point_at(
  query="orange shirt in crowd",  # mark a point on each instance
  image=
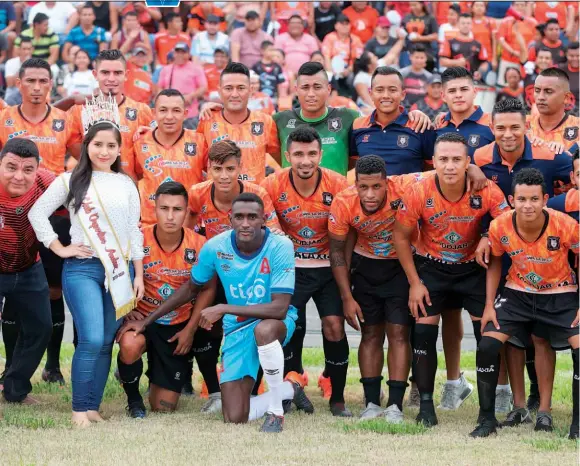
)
(139, 85)
(349, 49)
(483, 30)
(262, 103)
(283, 10)
(362, 23)
(197, 18)
(212, 74)
(165, 43)
(543, 12)
(527, 28)
(441, 10)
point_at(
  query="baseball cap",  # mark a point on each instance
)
(212, 19)
(435, 79)
(252, 15)
(181, 46)
(384, 22)
(342, 19)
(137, 50)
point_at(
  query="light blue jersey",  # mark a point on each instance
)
(247, 280)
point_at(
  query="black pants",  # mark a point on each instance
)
(27, 293)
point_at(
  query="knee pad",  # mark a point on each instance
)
(489, 346)
(425, 333)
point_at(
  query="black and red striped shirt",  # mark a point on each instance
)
(18, 243)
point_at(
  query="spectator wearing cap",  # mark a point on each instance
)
(213, 72)
(204, 43)
(44, 41)
(240, 9)
(363, 20)
(81, 80)
(247, 41)
(550, 41)
(385, 47)
(449, 29)
(165, 41)
(199, 14)
(341, 49)
(185, 76)
(415, 76)
(131, 36)
(432, 104)
(296, 43)
(325, 15)
(86, 35)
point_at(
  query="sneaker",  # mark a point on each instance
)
(544, 422)
(53, 376)
(574, 434)
(300, 399)
(533, 403)
(381, 398)
(414, 400)
(187, 389)
(393, 415)
(325, 385)
(136, 410)
(372, 411)
(485, 428)
(340, 410)
(213, 404)
(517, 417)
(455, 394)
(427, 417)
(503, 401)
(272, 424)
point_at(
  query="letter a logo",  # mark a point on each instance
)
(265, 267)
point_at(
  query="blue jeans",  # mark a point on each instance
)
(83, 284)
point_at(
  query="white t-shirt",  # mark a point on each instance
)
(57, 16)
(203, 47)
(12, 67)
(80, 82)
(362, 77)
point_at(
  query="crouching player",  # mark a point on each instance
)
(257, 271)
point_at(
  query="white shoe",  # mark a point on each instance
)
(393, 415)
(213, 404)
(372, 411)
(503, 401)
(454, 395)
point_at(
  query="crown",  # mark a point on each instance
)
(98, 109)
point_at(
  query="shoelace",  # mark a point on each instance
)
(545, 420)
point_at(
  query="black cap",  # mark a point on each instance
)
(252, 15)
(435, 79)
(342, 19)
(212, 19)
(181, 46)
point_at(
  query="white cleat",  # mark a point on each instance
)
(454, 395)
(213, 404)
(372, 411)
(393, 415)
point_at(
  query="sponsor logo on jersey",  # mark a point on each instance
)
(147, 251)
(9, 122)
(258, 290)
(144, 148)
(283, 197)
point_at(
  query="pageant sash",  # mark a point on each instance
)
(104, 241)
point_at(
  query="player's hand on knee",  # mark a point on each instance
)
(489, 315)
(353, 313)
(418, 297)
(184, 340)
(482, 252)
(135, 326)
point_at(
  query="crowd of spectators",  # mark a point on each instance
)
(503, 44)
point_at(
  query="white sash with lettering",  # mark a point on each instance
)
(104, 241)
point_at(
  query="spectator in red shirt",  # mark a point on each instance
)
(199, 14)
(363, 19)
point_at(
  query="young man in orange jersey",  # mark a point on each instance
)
(168, 153)
(569, 202)
(302, 196)
(51, 130)
(450, 232)
(541, 293)
(170, 252)
(376, 294)
(253, 132)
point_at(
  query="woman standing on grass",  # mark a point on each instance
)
(100, 283)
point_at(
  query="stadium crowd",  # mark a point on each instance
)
(325, 135)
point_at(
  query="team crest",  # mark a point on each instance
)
(553, 243)
(9, 122)
(214, 126)
(283, 197)
(366, 138)
(571, 133)
(335, 124)
(147, 251)
(504, 240)
(495, 178)
(475, 202)
(58, 125)
(473, 140)
(190, 148)
(257, 128)
(144, 148)
(403, 141)
(429, 203)
(395, 204)
(131, 114)
(19, 210)
(291, 123)
(190, 256)
(327, 198)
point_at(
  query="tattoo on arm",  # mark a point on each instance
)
(337, 258)
(167, 405)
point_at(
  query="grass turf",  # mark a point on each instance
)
(43, 435)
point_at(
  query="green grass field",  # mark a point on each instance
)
(42, 435)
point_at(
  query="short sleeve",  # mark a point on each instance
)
(273, 143)
(338, 220)
(269, 210)
(497, 201)
(428, 144)
(146, 117)
(10, 13)
(74, 136)
(193, 201)
(282, 268)
(495, 238)
(572, 234)
(204, 270)
(409, 212)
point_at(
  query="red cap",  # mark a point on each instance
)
(384, 22)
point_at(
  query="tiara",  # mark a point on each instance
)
(98, 109)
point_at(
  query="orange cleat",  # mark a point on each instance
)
(325, 386)
(262, 387)
(204, 393)
(305, 377)
(296, 378)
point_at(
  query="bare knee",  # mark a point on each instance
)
(131, 348)
(268, 331)
(333, 328)
(373, 335)
(398, 335)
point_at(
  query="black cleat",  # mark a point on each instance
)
(272, 424)
(427, 417)
(339, 410)
(544, 422)
(187, 389)
(485, 428)
(533, 402)
(287, 406)
(517, 417)
(301, 400)
(574, 434)
(136, 410)
(53, 376)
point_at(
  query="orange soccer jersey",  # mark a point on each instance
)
(305, 220)
(214, 220)
(541, 266)
(133, 114)
(449, 231)
(164, 272)
(375, 231)
(256, 137)
(565, 133)
(154, 164)
(52, 135)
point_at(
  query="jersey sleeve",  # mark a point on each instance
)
(562, 166)
(409, 212)
(495, 238)
(193, 203)
(273, 143)
(75, 125)
(269, 210)
(338, 219)
(146, 117)
(204, 270)
(497, 201)
(282, 270)
(572, 235)
(428, 144)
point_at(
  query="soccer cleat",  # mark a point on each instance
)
(203, 393)
(485, 428)
(300, 399)
(372, 411)
(136, 410)
(393, 415)
(427, 417)
(187, 389)
(533, 403)
(340, 410)
(544, 422)
(213, 404)
(503, 401)
(414, 400)
(325, 385)
(517, 417)
(381, 398)
(272, 424)
(53, 376)
(574, 431)
(454, 395)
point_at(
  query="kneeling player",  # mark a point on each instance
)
(170, 251)
(257, 271)
(380, 291)
(541, 291)
(450, 228)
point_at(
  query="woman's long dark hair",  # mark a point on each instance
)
(362, 63)
(82, 173)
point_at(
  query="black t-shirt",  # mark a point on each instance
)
(380, 50)
(271, 75)
(574, 87)
(324, 21)
(102, 15)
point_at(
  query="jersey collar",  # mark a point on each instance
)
(48, 109)
(154, 134)
(527, 155)
(255, 254)
(475, 116)
(401, 120)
